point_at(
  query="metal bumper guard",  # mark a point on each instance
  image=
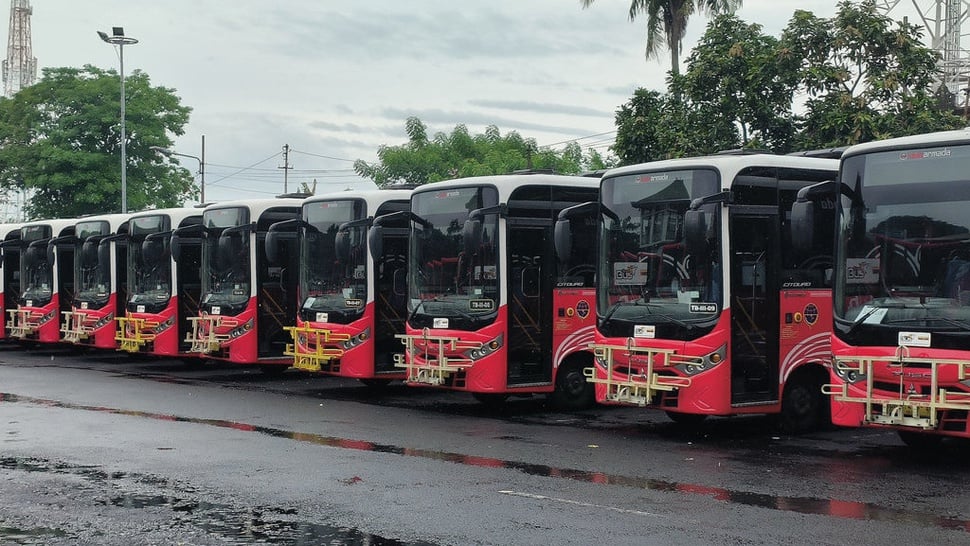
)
(79, 326)
(438, 357)
(314, 341)
(638, 389)
(203, 337)
(132, 335)
(907, 408)
(24, 322)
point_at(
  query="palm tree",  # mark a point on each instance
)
(667, 22)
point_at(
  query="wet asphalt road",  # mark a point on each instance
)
(106, 449)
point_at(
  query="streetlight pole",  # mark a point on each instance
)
(119, 39)
(201, 160)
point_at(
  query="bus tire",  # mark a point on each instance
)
(803, 405)
(572, 391)
(919, 441)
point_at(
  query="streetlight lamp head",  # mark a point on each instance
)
(160, 150)
(104, 36)
(118, 31)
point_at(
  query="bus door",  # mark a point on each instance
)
(390, 301)
(529, 291)
(754, 304)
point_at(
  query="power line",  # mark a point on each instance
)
(578, 139)
(323, 156)
(245, 169)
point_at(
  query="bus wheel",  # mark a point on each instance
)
(375, 384)
(802, 404)
(919, 440)
(273, 370)
(491, 400)
(686, 419)
(573, 392)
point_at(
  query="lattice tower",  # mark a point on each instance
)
(942, 21)
(20, 66)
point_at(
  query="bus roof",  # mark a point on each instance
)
(728, 164)
(114, 220)
(176, 215)
(940, 138)
(58, 225)
(507, 183)
(373, 198)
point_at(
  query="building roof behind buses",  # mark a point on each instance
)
(727, 164)
(940, 138)
(507, 183)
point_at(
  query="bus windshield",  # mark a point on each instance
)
(226, 258)
(36, 272)
(648, 277)
(450, 278)
(149, 263)
(333, 270)
(92, 263)
(903, 253)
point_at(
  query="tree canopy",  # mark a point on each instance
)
(460, 154)
(667, 22)
(826, 82)
(60, 140)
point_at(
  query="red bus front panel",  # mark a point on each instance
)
(230, 338)
(151, 333)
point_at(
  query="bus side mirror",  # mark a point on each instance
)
(176, 247)
(695, 232)
(341, 245)
(89, 254)
(562, 237)
(272, 246)
(152, 251)
(50, 254)
(471, 235)
(375, 241)
(224, 251)
(802, 226)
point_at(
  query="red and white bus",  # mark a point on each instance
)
(492, 310)
(163, 293)
(351, 304)
(901, 336)
(46, 280)
(703, 308)
(99, 281)
(247, 303)
(9, 271)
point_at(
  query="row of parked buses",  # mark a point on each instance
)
(712, 286)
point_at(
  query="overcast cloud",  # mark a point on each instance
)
(337, 78)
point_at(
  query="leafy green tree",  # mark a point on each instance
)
(866, 77)
(667, 22)
(739, 74)
(652, 126)
(60, 140)
(460, 154)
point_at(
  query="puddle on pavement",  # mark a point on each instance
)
(803, 505)
(264, 525)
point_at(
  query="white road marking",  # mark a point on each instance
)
(579, 503)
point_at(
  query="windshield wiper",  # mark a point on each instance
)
(951, 322)
(652, 307)
(861, 320)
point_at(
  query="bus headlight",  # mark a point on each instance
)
(486, 349)
(356, 340)
(240, 330)
(704, 363)
(847, 372)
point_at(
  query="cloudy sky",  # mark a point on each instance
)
(335, 79)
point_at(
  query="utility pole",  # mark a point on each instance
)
(20, 65)
(286, 166)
